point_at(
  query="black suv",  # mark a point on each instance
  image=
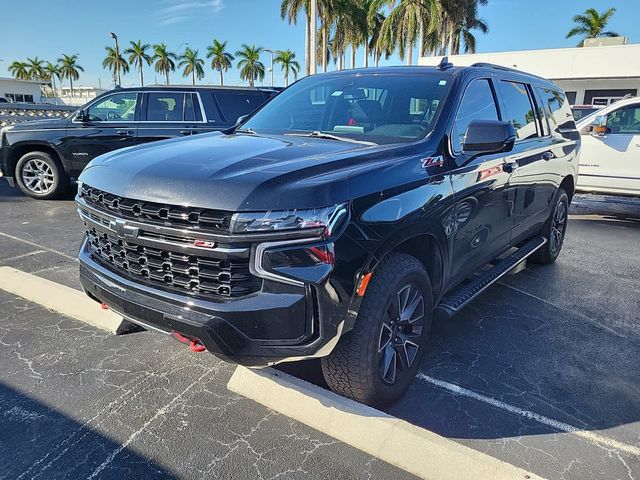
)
(337, 220)
(43, 156)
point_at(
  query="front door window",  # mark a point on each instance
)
(114, 108)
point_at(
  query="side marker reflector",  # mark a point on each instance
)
(364, 283)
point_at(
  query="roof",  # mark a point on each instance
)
(198, 87)
(11, 79)
(616, 61)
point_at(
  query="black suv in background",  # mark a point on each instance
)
(337, 220)
(42, 156)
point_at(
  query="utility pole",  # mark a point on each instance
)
(313, 42)
(271, 52)
(115, 37)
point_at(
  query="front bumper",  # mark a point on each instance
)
(5, 154)
(279, 323)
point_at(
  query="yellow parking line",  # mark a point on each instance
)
(411, 448)
(65, 300)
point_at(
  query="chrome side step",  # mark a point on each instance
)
(452, 304)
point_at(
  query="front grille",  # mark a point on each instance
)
(172, 270)
(215, 221)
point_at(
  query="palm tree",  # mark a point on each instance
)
(164, 60)
(464, 19)
(52, 72)
(290, 9)
(408, 23)
(36, 69)
(193, 65)
(138, 55)
(592, 24)
(19, 70)
(220, 58)
(251, 68)
(287, 59)
(115, 62)
(70, 69)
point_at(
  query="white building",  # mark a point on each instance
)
(589, 75)
(21, 90)
(81, 94)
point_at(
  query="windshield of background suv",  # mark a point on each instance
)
(380, 108)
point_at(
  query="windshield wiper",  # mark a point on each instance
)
(250, 131)
(319, 134)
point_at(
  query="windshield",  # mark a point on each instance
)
(379, 108)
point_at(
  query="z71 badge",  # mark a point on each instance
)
(436, 161)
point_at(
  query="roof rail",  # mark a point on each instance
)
(444, 64)
(506, 69)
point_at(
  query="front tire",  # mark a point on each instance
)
(41, 176)
(376, 362)
(554, 231)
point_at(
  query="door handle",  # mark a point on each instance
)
(125, 133)
(186, 132)
(509, 167)
(548, 155)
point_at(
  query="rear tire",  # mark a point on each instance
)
(554, 231)
(41, 176)
(376, 362)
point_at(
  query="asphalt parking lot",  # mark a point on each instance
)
(541, 371)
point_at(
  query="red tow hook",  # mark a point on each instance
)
(104, 306)
(194, 343)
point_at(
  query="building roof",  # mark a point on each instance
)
(10, 79)
(617, 61)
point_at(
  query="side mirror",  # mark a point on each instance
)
(599, 126)
(82, 116)
(241, 119)
(488, 136)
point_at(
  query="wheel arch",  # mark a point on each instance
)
(21, 149)
(568, 184)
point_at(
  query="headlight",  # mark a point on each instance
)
(323, 220)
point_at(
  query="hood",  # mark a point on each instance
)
(233, 172)
(41, 124)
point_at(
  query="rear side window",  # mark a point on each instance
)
(235, 104)
(519, 109)
(478, 103)
(557, 109)
(172, 107)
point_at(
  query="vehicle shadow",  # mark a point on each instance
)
(38, 441)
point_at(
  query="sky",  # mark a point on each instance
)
(48, 29)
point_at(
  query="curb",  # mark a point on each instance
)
(411, 448)
(65, 300)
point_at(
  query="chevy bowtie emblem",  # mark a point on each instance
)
(121, 229)
(203, 244)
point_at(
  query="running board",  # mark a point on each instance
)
(451, 305)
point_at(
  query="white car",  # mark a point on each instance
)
(610, 157)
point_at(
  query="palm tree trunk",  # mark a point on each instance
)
(221, 78)
(71, 86)
(450, 43)
(141, 77)
(166, 73)
(353, 56)
(193, 78)
(307, 46)
(366, 55)
(324, 46)
(55, 95)
(421, 40)
(286, 78)
(409, 52)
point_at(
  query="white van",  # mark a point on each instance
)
(610, 158)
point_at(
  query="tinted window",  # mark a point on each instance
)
(235, 104)
(478, 103)
(579, 113)
(557, 109)
(519, 109)
(624, 121)
(382, 108)
(114, 108)
(169, 107)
